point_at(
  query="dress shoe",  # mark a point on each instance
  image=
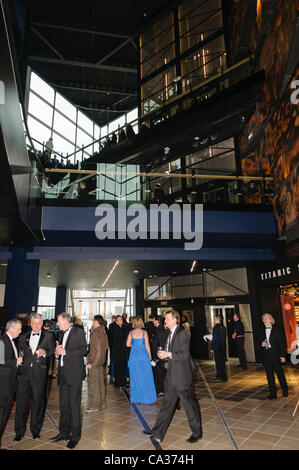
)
(272, 397)
(35, 435)
(57, 438)
(285, 394)
(71, 444)
(194, 438)
(18, 437)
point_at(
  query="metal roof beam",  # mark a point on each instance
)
(94, 90)
(80, 30)
(77, 63)
(44, 40)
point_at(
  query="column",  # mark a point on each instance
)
(21, 292)
(60, 301)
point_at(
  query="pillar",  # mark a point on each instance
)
(60, 300)
(21, 292)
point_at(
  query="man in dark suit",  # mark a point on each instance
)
(119, 352)
(177, 381)
(273, 351)
(36, 347)
(8, 369)
(218, 347)
(151, 331)
(71, 373)
(160, 339)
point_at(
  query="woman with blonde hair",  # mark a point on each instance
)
(142, 385)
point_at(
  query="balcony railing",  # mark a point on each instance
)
(130, 183)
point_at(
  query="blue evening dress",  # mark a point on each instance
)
(142, 384)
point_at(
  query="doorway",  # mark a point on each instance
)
(227, 311)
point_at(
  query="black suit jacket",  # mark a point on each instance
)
(276, 341)
(39, 365)
(119, 338)
(179, 373)
(73, 361)
(8, 371)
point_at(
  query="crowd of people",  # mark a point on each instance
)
(49, 159)
(153, 358)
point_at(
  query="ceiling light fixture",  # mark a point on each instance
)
(110, 273)
(193, 266)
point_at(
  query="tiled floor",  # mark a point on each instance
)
(235, 414)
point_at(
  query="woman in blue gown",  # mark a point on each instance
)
(142, 385)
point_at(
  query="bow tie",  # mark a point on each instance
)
(268, 327)
(35, 334)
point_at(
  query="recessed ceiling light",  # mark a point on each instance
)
(135, 271)
(114, 266)
(193, 266)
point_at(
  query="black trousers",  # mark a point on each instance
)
(70, 408)
(120, 367)
(171, 396)
(4, 408)
(241, 351)
(7, 392)
(273, 364)
(159, 374)
(30, 386)
(219, 356)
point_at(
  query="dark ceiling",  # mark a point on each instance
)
(91, 274)
(88, 50)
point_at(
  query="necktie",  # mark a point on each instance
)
(35, 334)
(168, 342)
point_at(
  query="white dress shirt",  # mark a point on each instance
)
(268, 333)
(170, 338)
(33, 342)
(64, 340)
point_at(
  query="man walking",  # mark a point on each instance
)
(177, 381)
(95, 362)
(71, 373)
(36, 347)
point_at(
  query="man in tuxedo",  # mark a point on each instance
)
(71, 373)
(177, 381)
(273, 351)
(119, 352)
(36, 347)
(8, 369)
